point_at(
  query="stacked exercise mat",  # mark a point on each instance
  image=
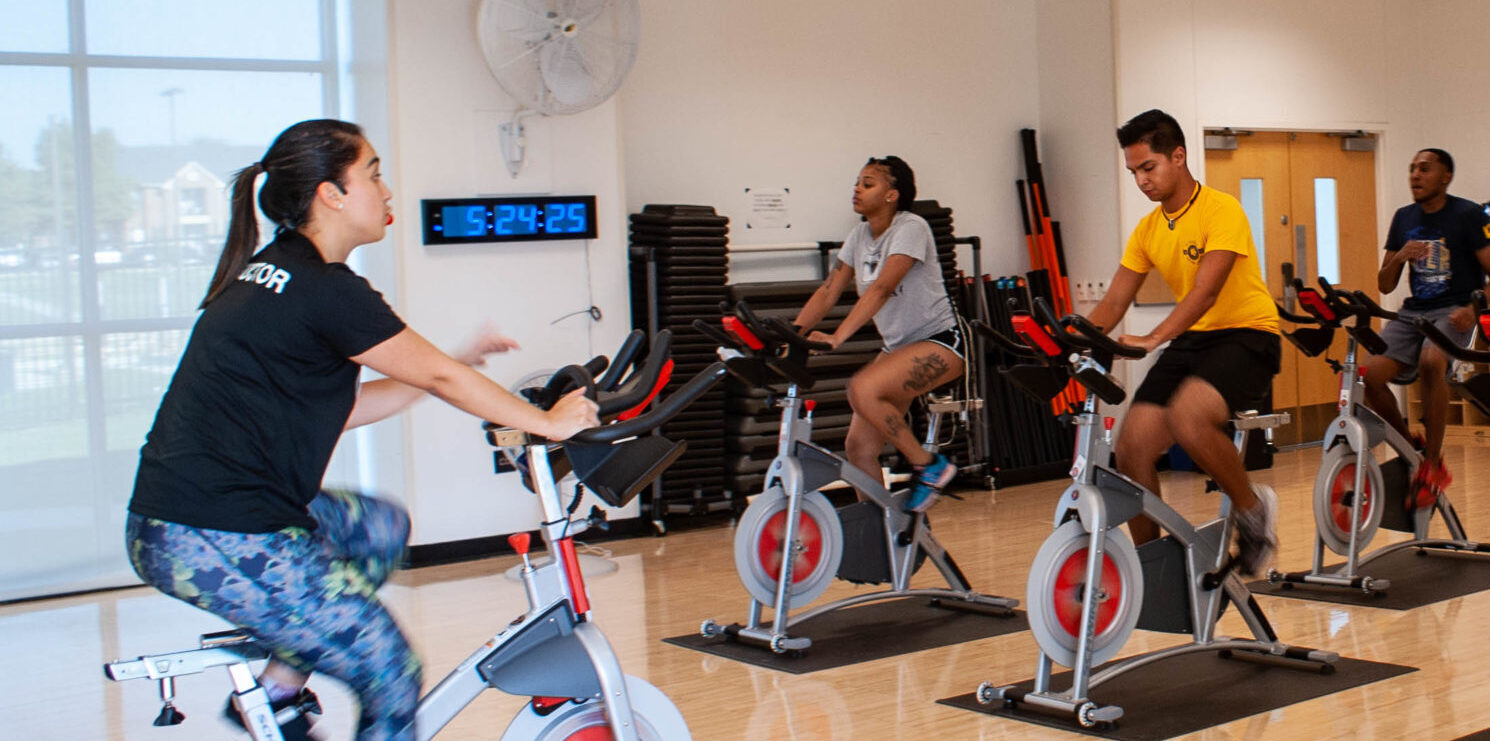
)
(678, 264)
(751, 421)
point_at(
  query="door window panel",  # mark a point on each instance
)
(1327, 230)
(1252, 205)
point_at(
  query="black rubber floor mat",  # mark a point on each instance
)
(853, 635)
(1190, 692)
(1418, 576)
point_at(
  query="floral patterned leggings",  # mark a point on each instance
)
(308, 595)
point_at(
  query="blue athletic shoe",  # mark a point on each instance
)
(929, 482)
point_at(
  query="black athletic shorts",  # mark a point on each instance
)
(1239, 363)
(948, 338)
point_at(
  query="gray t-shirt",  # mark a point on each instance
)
(919, 307)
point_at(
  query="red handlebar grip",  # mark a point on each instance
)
(738, 329)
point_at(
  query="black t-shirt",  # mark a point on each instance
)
(248, 424)
(1451, 271)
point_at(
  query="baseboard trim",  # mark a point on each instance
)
(472, 549)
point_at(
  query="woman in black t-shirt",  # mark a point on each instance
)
(227, 513)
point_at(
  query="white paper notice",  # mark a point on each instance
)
(770, 208)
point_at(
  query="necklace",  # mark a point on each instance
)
(1186, 210)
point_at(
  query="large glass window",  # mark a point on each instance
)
(34, 26)
(38, 198)
(262, 29)
(113, 208)
(163, 160)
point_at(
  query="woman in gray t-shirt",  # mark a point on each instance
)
(891, 259)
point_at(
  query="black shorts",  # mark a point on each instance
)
(948, 338)
(1239, 363)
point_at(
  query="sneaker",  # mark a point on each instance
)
(929, 481)
(1257, 532)
(1431, 479)
(305, 706)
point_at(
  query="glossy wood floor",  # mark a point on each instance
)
(52, 686)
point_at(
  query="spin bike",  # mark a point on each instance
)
(790, 543)
(554, 652)
(1352, 486)
(1089, 587)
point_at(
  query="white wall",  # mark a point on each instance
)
(1402, 68)
(1270, 64)
(1079, 152)
(725, 96)
(446, 106)
(778, 94)
(1446, 87)
(785, 94)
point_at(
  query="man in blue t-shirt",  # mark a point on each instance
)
(1445, 241)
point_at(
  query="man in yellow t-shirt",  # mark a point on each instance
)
(1223, 333)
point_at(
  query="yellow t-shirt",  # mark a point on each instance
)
(1215, 222)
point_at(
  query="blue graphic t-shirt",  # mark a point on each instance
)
(1450, 271)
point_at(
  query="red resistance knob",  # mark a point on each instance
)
(519, 542)
(1107, 423)
(809, 405)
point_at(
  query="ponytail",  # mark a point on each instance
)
(243, 233)
(300, 159)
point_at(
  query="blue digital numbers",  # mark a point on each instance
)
(516, 219)
(567, 218)
(464, 221)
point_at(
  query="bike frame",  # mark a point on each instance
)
(553, 651)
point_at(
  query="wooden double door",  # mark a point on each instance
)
(1311, 204)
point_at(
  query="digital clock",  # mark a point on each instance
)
(520, 219)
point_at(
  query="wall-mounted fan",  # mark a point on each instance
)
(556, 56)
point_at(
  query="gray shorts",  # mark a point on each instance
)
(1405, 345)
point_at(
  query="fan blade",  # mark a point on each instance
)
(528, 20)
(565, 71)
(581, 11)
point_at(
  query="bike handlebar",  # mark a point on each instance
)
(623, 360)
(1289, 316)
(633, 392)
(1445, 343)
(1088, 336)
(1008, 345)
(664, 411)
